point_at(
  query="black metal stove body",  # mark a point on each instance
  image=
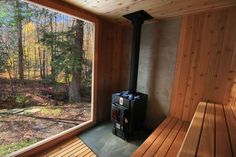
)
(128, 107)
(128, 113)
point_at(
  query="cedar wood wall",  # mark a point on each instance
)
(109, 61)
(206, 62)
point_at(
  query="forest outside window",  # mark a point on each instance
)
(46, 73)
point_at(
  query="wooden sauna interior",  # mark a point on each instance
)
(187, 56)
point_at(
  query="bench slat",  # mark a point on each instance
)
(169, 140)
(211, 133)
(160, 139)
(190, 144)
(149, 141)
(79, 149)
(222, 136)
(67, 148)
(61, 146)
(231, 123)
(207, 141)
(174, 149)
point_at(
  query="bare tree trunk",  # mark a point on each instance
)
(52, 49)
(39, 54)
(20, 45)
(40, 63)
(28, 63)
(35, 62)
(10, 80)
(15, 68)
(44, 63)
(75, 85)
(74, 88)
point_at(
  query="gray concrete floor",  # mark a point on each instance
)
(101, 140)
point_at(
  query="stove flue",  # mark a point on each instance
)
(137, 19)
(128, 107)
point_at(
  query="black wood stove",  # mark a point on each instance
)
(128, 107)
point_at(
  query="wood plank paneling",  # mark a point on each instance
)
(72, 147)
(225, 77)
(169, 140)
(205, 68)
(190, 144)
(113, 9)
(233, 98)
(160, 139)
(165, 141)
(207, 141)
(109, 72)
(66, 8)
(232, 76)
(175, 147)
(151, 139)
(231, 121)
(217, 134)
(221, 133)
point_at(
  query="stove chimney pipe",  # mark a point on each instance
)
(137, 18)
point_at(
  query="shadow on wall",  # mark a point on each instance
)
(156, 66)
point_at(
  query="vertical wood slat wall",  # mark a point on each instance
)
(206, 62)
(232, 98)
(109, 71)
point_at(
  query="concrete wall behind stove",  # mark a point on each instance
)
(158, 49)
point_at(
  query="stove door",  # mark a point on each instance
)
(120, 119)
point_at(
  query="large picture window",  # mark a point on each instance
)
(46, 73)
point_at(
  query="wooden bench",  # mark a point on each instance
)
(166, 140)
(212, 132)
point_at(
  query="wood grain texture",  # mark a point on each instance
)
(73, 147)
(65, 144)
(222, 136)
(232, 76)
(169, 140)
(206, 61)
(190, 144)
(108, 67)
(176, 145)
(66, 8)
(151, 139)
(231, 121)
(207, 140)
(214, 136)
(233, 98)
(160, 139)
(211, 133)
(114, 10)
(165, 140)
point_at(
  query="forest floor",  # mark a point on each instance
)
(36, 111)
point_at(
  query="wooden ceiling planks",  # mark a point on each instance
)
(114, 10)
(67, 9)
